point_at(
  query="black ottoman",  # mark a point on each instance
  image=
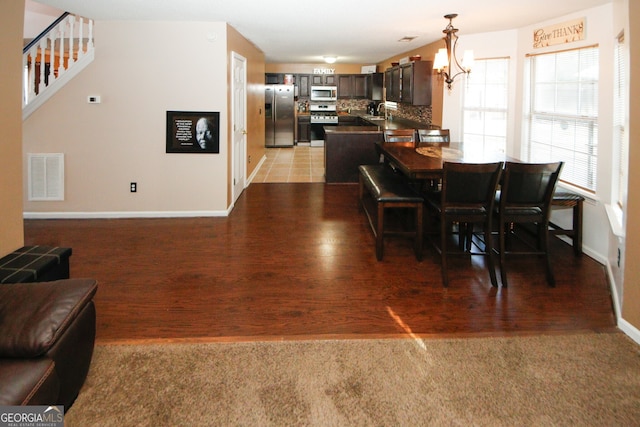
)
(35, 264)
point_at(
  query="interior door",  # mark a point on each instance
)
(239, 120)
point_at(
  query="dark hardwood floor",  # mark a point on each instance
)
(296, 261)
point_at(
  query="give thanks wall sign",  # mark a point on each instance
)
(566, 32)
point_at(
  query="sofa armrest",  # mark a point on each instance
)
(34, 315)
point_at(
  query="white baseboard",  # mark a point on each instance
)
(126, 214)
(255, 171)
(630, 330)
(622, 324)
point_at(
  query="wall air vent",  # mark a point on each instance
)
(46, 176)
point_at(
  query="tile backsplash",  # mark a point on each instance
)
(420, 114)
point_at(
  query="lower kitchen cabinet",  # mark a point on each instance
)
(304, 129)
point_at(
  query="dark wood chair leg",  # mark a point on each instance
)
(544, 238)
(577, 228)
(503, 249)
(380, 232)
(443, 253)
(419, 215)
(489, 250)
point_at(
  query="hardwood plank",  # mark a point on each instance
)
(297, 261)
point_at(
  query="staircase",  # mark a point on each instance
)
(53, 58)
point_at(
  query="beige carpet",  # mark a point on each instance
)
(567, 380)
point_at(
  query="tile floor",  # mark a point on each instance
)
(297, 164)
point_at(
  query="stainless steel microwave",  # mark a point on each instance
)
(324, 93)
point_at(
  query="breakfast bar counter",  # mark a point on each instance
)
(346, 148)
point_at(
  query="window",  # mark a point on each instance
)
(563, 113)
(620, 139)
(485, 104)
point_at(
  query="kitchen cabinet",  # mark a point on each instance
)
(323, 80)
(409, 83)
(304, 128)
(352, 86)
(274, 78)
(303, 85)
(416, 82)
(392, 83)
(374, 85)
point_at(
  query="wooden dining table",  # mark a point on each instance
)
(424, 163)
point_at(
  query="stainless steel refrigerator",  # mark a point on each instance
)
(279, 113)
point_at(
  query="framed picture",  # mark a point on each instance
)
(193, 132)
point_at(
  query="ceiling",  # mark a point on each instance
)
(357, 32)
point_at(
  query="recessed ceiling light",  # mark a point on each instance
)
(330, 59)
(407, 39)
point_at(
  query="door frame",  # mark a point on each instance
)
(238, 152)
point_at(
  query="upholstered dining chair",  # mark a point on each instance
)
(397, 136)
(406, 136)
(428, 137)
(525, 197)
(467, 198)
(431, 137)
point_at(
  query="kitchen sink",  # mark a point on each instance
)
(370, 117)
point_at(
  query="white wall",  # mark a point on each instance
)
(141, 70)
(517, 44)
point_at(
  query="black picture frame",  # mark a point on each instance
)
(182, 132)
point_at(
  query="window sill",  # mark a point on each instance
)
(614, 213)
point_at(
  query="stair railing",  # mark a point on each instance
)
(54, 57)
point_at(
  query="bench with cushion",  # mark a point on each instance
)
(388, 189)
(35, 264)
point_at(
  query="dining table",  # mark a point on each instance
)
(426, 162)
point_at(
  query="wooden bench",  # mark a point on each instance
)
(389, 190)
(575, 201)
(35, 264)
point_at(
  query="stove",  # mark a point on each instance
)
(323, 113)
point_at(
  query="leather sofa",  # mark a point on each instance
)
(47, 335)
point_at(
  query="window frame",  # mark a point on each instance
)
(484, 110)
(581, 174)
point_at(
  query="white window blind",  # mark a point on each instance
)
(563, 119)
(485, 104)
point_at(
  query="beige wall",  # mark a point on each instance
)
(255, 97)
(631, 298)
(141, 70)
(11, 226)
(308, 68)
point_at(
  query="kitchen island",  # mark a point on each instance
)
(347, 147)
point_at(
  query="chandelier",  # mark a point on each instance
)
(445, 61)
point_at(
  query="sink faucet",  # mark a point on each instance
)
(385, 110)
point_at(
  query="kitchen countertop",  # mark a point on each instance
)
(352, 129)
(377, 125)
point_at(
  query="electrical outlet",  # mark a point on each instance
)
(134, 187)
(249, 159)
(619, 255)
